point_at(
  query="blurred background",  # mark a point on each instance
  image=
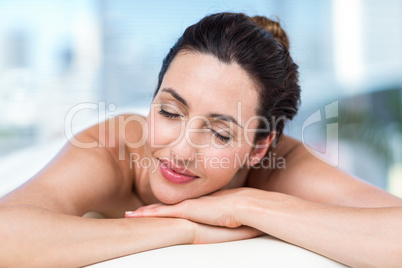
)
(57, 54)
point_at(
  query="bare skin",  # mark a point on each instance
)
(304, 202)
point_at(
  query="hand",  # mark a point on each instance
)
(219, 208)
(207, 234)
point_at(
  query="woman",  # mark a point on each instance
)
(191, 172)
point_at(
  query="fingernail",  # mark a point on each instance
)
(131, 213)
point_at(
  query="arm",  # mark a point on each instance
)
(359, 237)
(42, 224)
(36, 237)
(337, 215)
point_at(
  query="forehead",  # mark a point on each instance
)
(209, 85)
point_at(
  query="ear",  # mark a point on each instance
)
(260, 149)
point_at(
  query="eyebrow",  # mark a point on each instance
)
(223, 117)
(176, 96)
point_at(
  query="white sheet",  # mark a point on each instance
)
(263, 251)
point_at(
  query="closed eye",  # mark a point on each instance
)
(220, 137)
(167, 114)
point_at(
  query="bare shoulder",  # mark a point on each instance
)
(306, 176)
(91, 172)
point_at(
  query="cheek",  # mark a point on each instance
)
(221, 165)
(164, 132)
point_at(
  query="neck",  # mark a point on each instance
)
(141, 186)
(238, 180)
(143, 189)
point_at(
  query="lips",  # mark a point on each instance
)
(175, 174)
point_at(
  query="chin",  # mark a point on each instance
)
(168, 195)
(169, 199)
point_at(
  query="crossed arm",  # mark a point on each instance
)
(359, 237)
(313, 205)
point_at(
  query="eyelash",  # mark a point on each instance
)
(220, 137)
(216, 134)
(167, 114)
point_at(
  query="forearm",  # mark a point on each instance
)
(354, 236)
(37, 237)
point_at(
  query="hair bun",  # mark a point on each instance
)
(273, 27)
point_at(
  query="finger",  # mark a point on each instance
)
(156, 210)
(206, 234)
(138, 212)
(189, 209)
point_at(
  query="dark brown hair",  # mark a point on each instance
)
(261, 48)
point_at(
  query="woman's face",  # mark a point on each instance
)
(201, 127)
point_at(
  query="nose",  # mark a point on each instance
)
(192, 141)
(183, 151)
